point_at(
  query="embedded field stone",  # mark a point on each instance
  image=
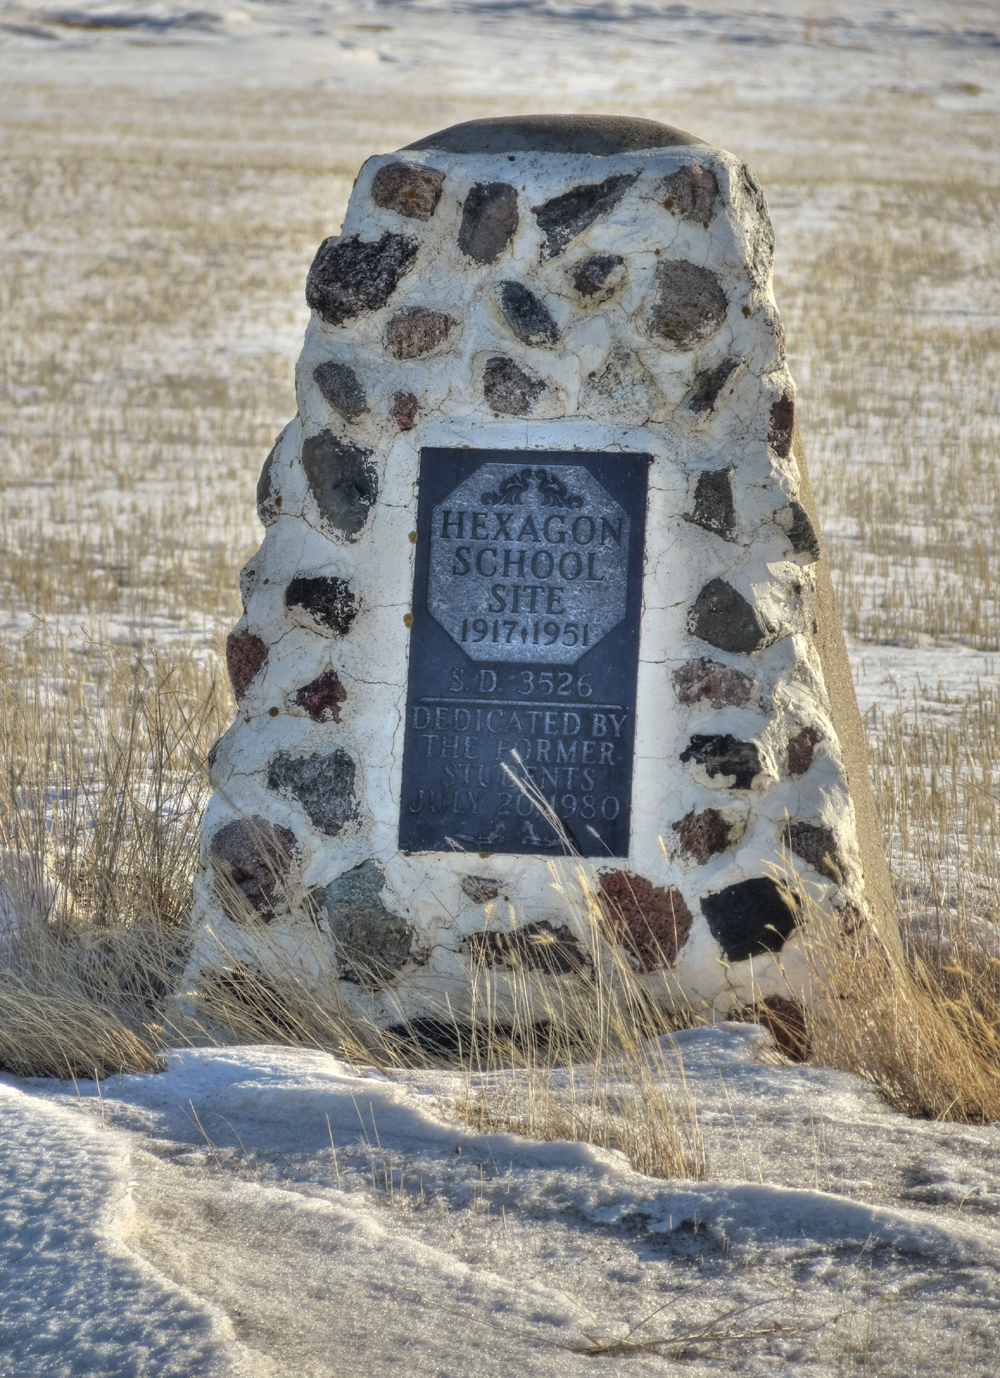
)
(405, 407)
(246, 656)
(415, 331)
(372, 944)
(722, 685)
(342, 480)
(703, 835)
(508, 388)
(268, 499)
(785, 1021)
(564, 217)
(489, 221)
(724, 755)
(408, 189)
(690, 192)
(761, 232)
(537, 947)
(782, 424)
(250, 857)
(802, 749)
(325, 599)
(349, 276)
(599, 276)
(253, 994)
(322, 783)
(623, 390)
(688, 304)
(802, 534)
(529, 319)
(480, 889)
(342, 388)
(714, 508)
(322, 697)
(751, 918)
(721, 616)
(652, 923)
(816, 844)
(709, 383)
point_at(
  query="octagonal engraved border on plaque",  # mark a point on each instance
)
(523, 662)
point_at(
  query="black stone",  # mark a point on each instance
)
(591, 276)
(349, 277)
(566, 216)
(815, 843)
(709, 383)
(714, 508)
(408, 188)
(751, 917)
(489, 221)
(723, 754)
(342, 479)
(600, 135)
(342, 388)
(723, 617)
(322, 783)
(508, 388)
(532, 947)
(373, 944)
(528, 318)
(690, 192)
(689, 304)
(802, 533)
(326, 598)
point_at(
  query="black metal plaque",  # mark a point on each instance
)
(524, 651)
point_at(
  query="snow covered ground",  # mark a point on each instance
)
(270, 1211)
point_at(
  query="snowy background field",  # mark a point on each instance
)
(168, 170)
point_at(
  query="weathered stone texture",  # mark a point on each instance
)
(405, 408)
(480, 889)
(816, 844)
(269, 501)
(801, 750)
(342, 480)
(322, 783)
(250, 858)
(690, 192)
(489, 221)
(349, 276)
(408, 188)
(751, 917)
(568, 215)
(322, 697)
(714, 508)
(721, 685)
(703, 835)
(782, 424)
(372, 944)
(651, 923)
(724, 755)
(688, 305)
(246, 656)
(416, 331)
(723, 617)
(802, 534)
(508, 388)
(529, 319)
(709, 383)
(327, 600)
(342, 388)
(598, 277)
(537, 947)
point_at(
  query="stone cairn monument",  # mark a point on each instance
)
(541, 577)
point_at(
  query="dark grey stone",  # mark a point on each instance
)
(373, 944)
(528, 318)
(723, 617)
(349, 277)
(714, 508)
(602, 135)
(802, 533)
(816, 844)
(326, 599)
(268, 500)
(415, 331)
(781, 425)
(751, 918)
(761, 234)
(250, 857)
(709, 382)
(531, 946)
(408, 188)
(690, 192)
(566, 216)
(508, 388)
(598, 275)
(689, 304)
(322, 783)
(342, 388)
(489, 221)
(343, 480)
(723, 754)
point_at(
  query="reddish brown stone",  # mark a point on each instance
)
(703, 835)
(784, 1020)
(321, 698)
(652, 923)
(404, 410)
(779, 434)
(707, 679)
(415, 331)
(802, 749)
(246, 656)
(250, 857)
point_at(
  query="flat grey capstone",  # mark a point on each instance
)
(601, 135)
